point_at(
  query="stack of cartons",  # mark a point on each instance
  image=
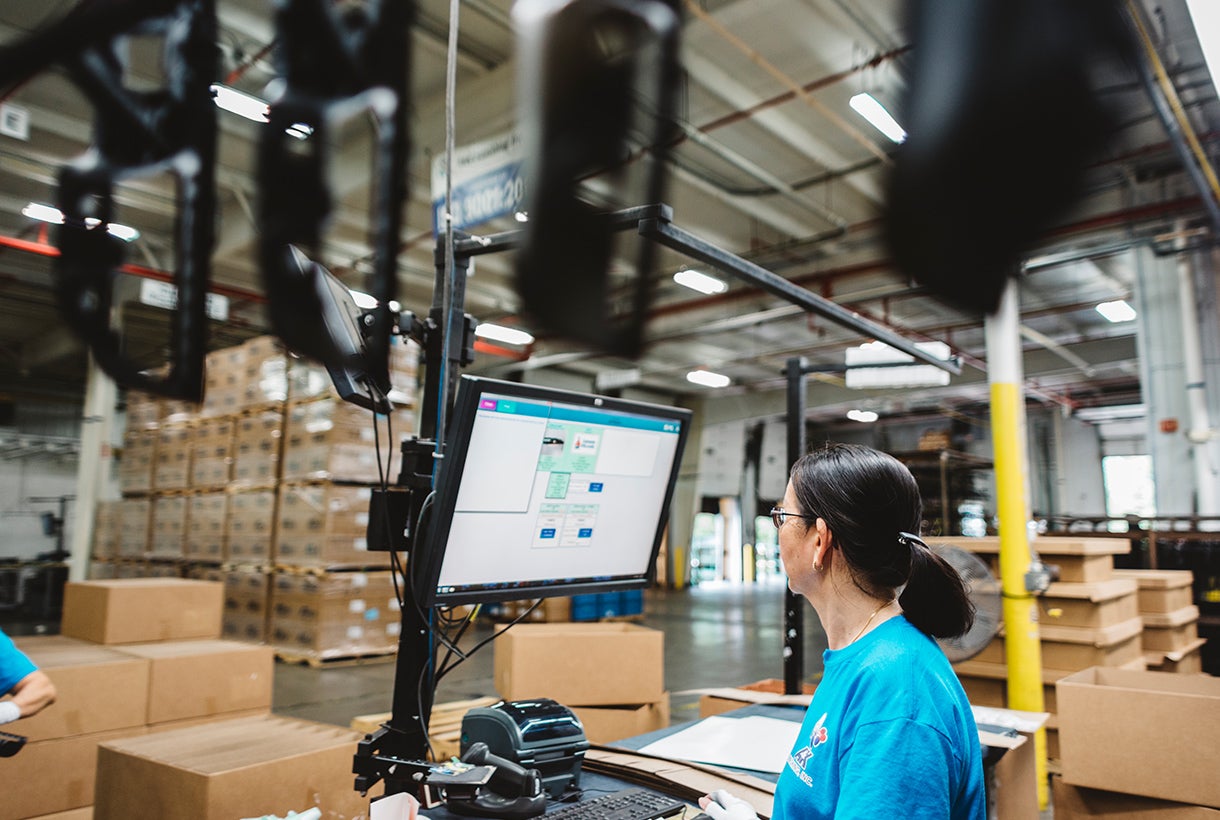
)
(212, 453)
(329, 439)
(173, 462)
(138, 461)
(256, 448)
(319, 617)
(324, 526)
(610, 674)
(247, 594)
(136, 657)
(1089, 617)
(1171, 632)
(250, 533)
(169, 526)
(208, 513)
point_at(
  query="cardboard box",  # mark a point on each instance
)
(1171, 631)
(325, 525)
(1090, 605)
(138, 610)
(137, 461)
(1146, 733)
(581, 664)
(98, 689)
(1016, 782)
(169, 526)
(250, 527)
(604, 724)
(57, 775)
(83, 813)
(334, 614)
(256, 448)
(1080, 560)
(173, 461)
(717, 701)
(1069, 648)
(230, 769)
(106, 529)
(983, 691)
(189, 679)
(205, 537)
(135, 525)
(1161, 590)
(1078, 803)
(1187, 660)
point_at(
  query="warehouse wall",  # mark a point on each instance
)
(21, 533)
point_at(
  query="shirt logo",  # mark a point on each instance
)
(800, 758)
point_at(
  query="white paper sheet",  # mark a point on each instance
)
(755, 742)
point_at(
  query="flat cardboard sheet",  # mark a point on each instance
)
(758, 743)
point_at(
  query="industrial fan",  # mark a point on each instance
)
(984, 591)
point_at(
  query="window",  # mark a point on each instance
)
(1130, 489)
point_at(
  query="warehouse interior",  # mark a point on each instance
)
(771, 277)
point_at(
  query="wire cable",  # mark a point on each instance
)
(487, 640)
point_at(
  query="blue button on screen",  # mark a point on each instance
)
(549, 532)
(596, 487)
(585, 532)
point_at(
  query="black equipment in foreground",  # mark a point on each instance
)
(512, 793)
(536, 734)
(627, 804)
(10, 744)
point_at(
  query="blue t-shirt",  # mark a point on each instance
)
(889, 734)
(14, 665)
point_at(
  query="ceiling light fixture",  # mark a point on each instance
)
(866, 106)
(707, 378)
(1117, 311)
(865, 416)
(507, 335)
(701, 282)
(241, 104)
(521, 216)
(46, 213)
(1205, 14)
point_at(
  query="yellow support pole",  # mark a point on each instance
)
(1008, 436)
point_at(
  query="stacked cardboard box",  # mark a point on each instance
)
(212, 452)
(323, 616)
(1171, 632)
(610, 674)
(1089, 617)
(333, 440)
(135, 522)
(256, 448)
(139, 457)
(205, 539)
(249, 767)
(173, 457)
(107, 531)
(169, 526)
(250, 531)
(136, 657)
(324, 525)
(247, 599)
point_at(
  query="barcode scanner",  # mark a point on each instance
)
(513, 793)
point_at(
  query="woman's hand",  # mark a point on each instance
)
(720, 805)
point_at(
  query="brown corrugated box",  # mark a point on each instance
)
(135, 523)
(1071, 648)
(1080, 560)
(205, 537)
(138, 459)
(98, 688)
(334, 614)
(231, 769)
(250, 527)
(173, 462)
(581, 664)
(169, 526)
(605, 724)
(1171, 631)
(1146, 733)
(325, 525)
(83, 813)
(59, 774)
(189, 679)
(1161, 590)
(212, 452)
(106, 529)
(1094, 605)
(333, 440)
(256, 448)
(1079, 803)
(138, 610)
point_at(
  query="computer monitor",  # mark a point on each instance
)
(547, 492)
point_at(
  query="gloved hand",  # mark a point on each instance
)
(720, 805)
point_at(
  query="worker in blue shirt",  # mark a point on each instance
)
(889, 732)
(30, 689)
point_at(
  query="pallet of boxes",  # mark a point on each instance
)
(157, 716)
(611, 675)
(1089, 617)
(265, 488)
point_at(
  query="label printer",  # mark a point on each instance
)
(536, 734)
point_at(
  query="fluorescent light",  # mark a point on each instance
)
(507, 335)
(1114, 412)
(46, 213)
(707, 378)
(1117, 311)
(1206, 16)
(866, 416)
(521, 216)
(701, 282)
(243, 105)
(867, 106)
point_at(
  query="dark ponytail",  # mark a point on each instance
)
(935, 599)
(871, 504)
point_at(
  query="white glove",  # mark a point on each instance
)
(720, 805)
(9, 711)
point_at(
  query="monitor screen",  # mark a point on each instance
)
(547, 492)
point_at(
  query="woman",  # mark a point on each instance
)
(889, 733)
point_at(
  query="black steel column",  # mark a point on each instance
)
(794, 605)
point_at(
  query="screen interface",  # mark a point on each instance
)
(554, 493)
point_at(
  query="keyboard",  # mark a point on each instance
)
(627, 804)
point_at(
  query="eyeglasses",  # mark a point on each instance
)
(779, 515)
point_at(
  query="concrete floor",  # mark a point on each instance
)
(722, 635)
